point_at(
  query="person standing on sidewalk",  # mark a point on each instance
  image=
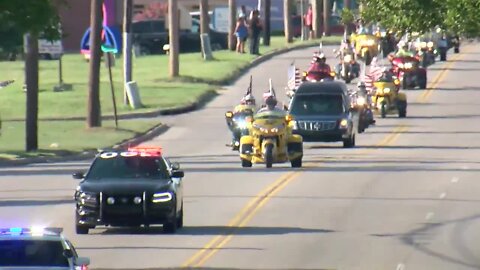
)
(241, 32)
(308, 20)
(255, 27)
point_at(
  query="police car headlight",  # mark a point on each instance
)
(162, 197)
(361, 101)
(386, 90)
(137, 200)
(87, 198)
(110, 200)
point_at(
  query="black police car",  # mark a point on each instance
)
(130, 188)
(322, 113)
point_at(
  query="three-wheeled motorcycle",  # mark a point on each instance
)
(387, 98)
(408, 70)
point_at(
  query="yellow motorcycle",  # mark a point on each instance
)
(270, 140)
(387, 98)
(366, 46)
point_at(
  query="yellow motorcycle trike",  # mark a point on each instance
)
(366, 46)
(270, 140)
(387, 98)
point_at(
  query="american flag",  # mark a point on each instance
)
(373, 75)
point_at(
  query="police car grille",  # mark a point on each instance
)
(123, 199)
(317, 125)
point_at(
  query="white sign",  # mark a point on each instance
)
(220, 19)
(49, 47)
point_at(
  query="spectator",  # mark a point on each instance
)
(308, 20)
(243, 12)
(241, 31)
(255, 27)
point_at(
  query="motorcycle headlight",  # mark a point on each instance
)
(242, 124)
(162, 197)
(361, 101)
(430, 44)
(347, 58)
(423, 44)
(344, 123)
(400, 65)
(408, 65)
(368, 42)
(386, 90)
(294, 124)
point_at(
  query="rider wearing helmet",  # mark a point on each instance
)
(403, 50)
(270, 106)
(319, 64)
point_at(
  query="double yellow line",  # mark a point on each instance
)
(423, 98)
(248, 212)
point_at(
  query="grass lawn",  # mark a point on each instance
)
(68, 137)
(157, 91)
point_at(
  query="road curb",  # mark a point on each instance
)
(140, 138)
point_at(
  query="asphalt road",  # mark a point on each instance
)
(405, 198)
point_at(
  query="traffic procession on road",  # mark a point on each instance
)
(143, 188)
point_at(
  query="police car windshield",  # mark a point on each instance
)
(31, 253)
(318, 104)
(121, 167)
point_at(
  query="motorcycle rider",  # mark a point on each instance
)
(247, 102)
(363, 92)
(347, 48)
(403, 50)
(270, 106)
(319, 64)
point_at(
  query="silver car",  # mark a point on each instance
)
(38, 248)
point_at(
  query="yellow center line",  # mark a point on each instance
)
(249, 211)
(242, 218)
(440, 76)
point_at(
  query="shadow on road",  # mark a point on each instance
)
(217, 230)
(25, 203)
(419, 239)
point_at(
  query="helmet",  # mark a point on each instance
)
(361, 84)
(248, 99)
(271, 101)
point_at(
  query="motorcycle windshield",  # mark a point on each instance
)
(318, 104)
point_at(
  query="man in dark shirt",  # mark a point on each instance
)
(255, 27)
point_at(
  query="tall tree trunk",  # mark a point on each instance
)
(347, 4)
(127, 46)
(31, 72)
(94, 111)
(204, 17)
(316, 18)
(232, 42)
(326, 17)
(266, 30)
(287, 20)
(173, 23)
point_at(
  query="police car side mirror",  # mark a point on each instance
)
(175, 166)
(67, 253)
(82, 261)
(78, 175)
(178, 174)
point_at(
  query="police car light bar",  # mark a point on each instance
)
(32, 231)
(150, 150)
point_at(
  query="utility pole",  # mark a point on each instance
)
(173, 21)
(316, 7)
(266, 30)
(127, 47)
(31, 73)
(287, 20)
(326, 17)
(94, 118)
(204, 17)
(232, 8)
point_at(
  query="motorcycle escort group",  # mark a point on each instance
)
(265, 135)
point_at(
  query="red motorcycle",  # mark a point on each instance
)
(409, 71)
(318, 76)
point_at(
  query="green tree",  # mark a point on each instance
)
(347, 18)
(462, 17)
(33, 18)
(405, 15)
